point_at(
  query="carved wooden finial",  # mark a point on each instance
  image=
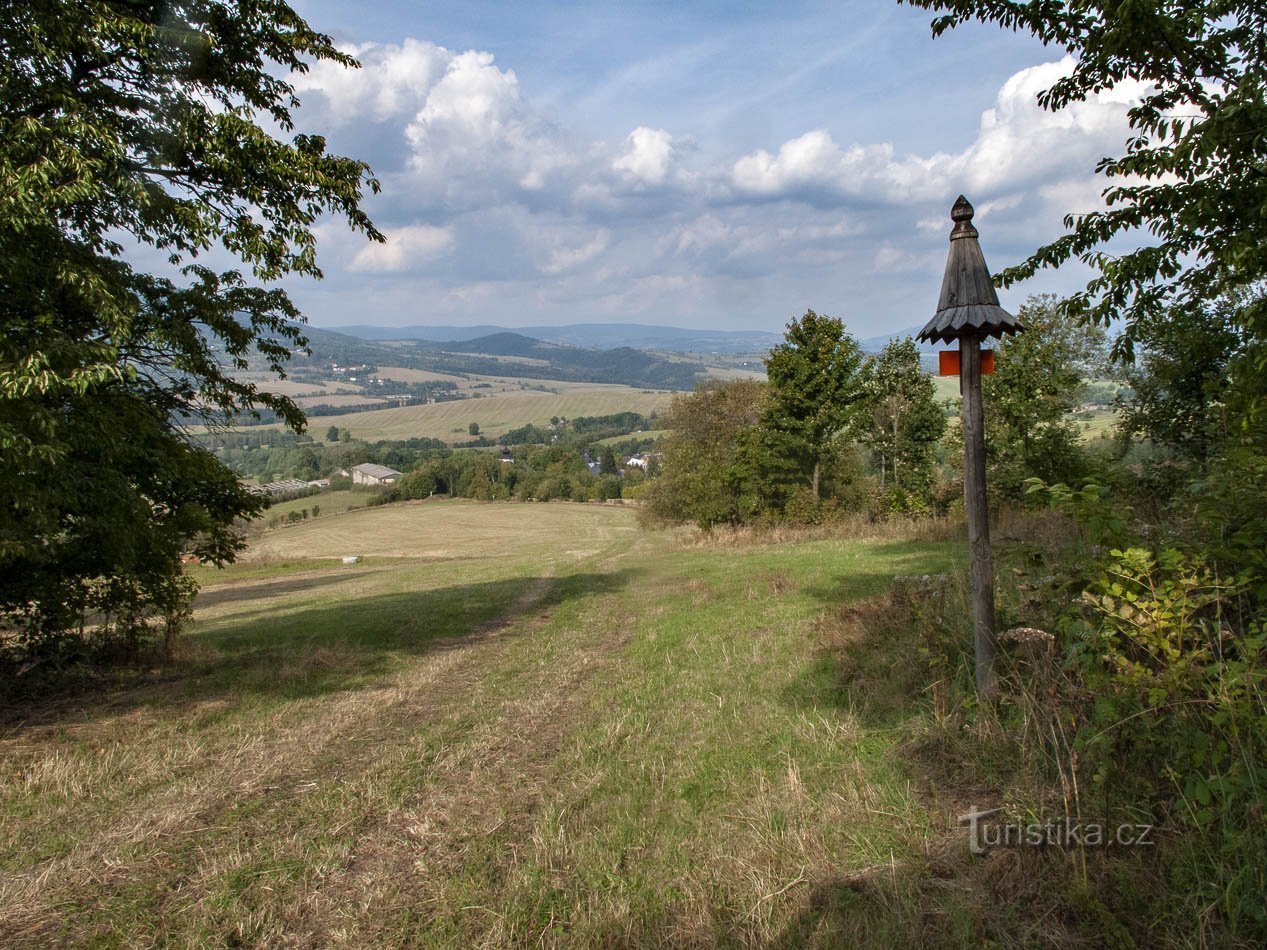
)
(962, 214)
(968, 305)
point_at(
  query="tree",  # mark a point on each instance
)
(1179, 385)
(1038, 381)
(607, 462)
(1191, 175)
(815, 384)
(332, 434)
(713, 466)
(903, 421)
(473, 428)
(126, 124)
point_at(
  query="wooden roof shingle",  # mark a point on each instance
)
(968, 304)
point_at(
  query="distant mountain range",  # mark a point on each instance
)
(608, 336)
(503, 354)
(589, 335)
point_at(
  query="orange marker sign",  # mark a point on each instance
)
(948, 363)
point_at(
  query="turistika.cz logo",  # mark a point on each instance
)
(983, 833)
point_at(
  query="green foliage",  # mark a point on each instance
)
(715, 459)
(1156, 697)
(902, 423)
(1191, 175)
(607, 462)
(538, 473)
(1038, 380)
(473, 428)
(1092, 506)
(1179, 714)
(1180, 383)
(125, 124)
(582, 429)
(815, 386)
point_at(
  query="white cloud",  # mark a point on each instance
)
(474, 122)
(567, 258)
(811, 161)
(394, 81)
(468, 136)
(646, 157)
(526, 215)
(405, 247)
(1018, 146)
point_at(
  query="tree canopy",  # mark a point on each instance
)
(160, 132)
(1040, 379)
(903, 422)
(815, 387)
(1193, 175)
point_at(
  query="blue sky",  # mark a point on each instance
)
(722, 165)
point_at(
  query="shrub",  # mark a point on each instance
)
(1154, 700)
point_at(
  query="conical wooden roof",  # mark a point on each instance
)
(968, 303)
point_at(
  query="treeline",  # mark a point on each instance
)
(831, 430)
(580, 429)
(835, 431)
(537, 473)
(274, 454)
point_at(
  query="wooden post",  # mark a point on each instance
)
(981, 566)
(968, 311)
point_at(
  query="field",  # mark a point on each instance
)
(440, 530)
(307, 402)
(331, 502)
(644, 434)
(496, 414)
(508, 725)
(1102, 423)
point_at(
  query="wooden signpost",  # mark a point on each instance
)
(968, 311)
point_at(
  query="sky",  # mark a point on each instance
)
(704, 164)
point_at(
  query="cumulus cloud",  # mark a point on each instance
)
(485, 194)
(1018, 146)
(567, 258)
(405, 247)
(470, 139)
(646, 157)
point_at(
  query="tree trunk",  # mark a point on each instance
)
(814, 480)
(896, 481)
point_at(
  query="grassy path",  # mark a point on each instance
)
(641, 744)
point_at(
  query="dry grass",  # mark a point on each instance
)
(574, 734)
(851, 528)
(452, 528)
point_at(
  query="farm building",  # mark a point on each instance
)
(371, 474)
(281, 488)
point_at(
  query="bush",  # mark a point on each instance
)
(1152, 700)
(110, 620)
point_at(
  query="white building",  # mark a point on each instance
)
(371, 474)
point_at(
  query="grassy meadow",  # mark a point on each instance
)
(509, 725)
(330, 502)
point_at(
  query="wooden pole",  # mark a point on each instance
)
(982, 566)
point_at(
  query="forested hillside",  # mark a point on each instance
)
(496, 355)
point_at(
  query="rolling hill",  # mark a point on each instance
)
(504, 354)
(588, 335)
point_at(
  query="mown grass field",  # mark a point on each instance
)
(331, 502)
(508, 725)
(496, 414)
